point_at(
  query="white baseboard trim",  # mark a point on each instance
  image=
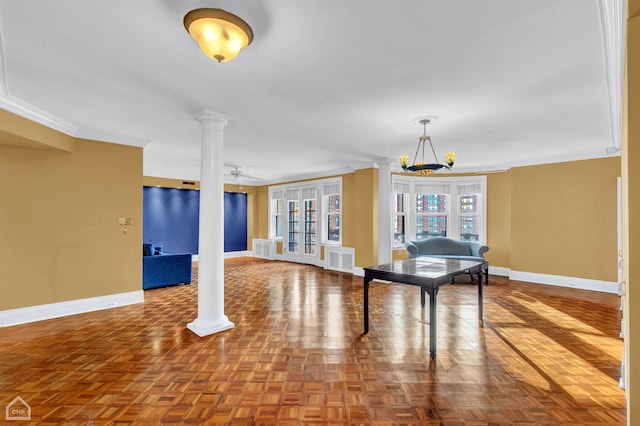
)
(71, 307)
(561, 281)
(233, 254)
(499, 270)
(358, 271)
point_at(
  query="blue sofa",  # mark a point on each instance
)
(451, 249)
(165, 270)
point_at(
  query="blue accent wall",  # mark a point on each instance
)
(171, 218)
(235, 221)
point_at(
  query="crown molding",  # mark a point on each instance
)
(24, 109)
(101, 136)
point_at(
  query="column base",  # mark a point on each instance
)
(205, 328)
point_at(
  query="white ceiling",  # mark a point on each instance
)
(326, 85)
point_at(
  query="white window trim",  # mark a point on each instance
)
(452, 204)
(272, 213)
(321, 223)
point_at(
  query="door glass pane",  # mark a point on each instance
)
(310, 226)
(294, 226)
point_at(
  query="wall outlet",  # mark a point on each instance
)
(124, 221)
(111, 304)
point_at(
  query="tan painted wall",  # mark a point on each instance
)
(564, 219)
(348, 210)
(61, 239)
(499, 219)
(22, 133)
(365, 217)
(261, 218)
(631, 211)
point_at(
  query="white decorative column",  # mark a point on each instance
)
(211, 318)
(385, 230)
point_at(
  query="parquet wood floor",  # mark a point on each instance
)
(545, 355)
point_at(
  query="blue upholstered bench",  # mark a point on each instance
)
(451, 249)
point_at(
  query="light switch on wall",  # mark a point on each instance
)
(124, 221)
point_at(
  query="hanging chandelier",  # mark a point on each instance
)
(419, 166)
(221, 35)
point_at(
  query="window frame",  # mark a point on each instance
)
(451, 187)
(327, 189)
(324, 188)
(396, 213)
(426, 215)
(274, 215)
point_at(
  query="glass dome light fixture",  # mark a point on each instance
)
(221, 35)
(419, 166)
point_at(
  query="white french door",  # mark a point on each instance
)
(300, 242)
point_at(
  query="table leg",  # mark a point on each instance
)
(367, 280)
(432, 321)
(422, 296)
(480, 316)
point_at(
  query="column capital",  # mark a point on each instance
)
(384, 163)
(206, 115)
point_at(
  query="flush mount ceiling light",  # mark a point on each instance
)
(419, 166)
(221, 35)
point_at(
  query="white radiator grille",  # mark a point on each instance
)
(264, 249)
(339, 258)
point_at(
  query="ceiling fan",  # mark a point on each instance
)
(237, 174)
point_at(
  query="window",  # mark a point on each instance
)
(276, 213)
(332, 212)
(333, 218)
(279, 218)
(438, 207)
(400, 202)
(470, 202)
(305, 216)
